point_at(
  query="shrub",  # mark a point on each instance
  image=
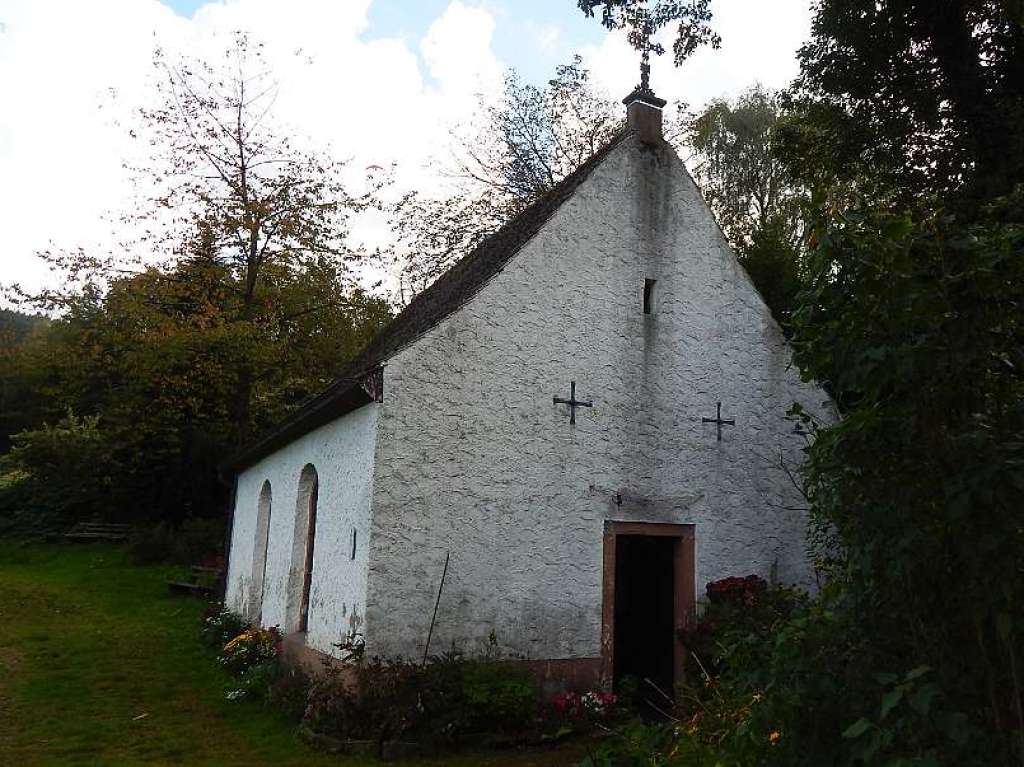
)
(155, 544)
(495, 696)
(196, 539)
(219, 626)
(575, 712)
(57, 474)
(645, 744)
(288, 692)
(251, 648)
(443, 701)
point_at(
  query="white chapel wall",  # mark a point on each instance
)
(474, 458)
(342, 453)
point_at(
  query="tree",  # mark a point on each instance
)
(915, 97)
(641, 21)
(905, 125)
(152, 366)
(247, 304)
(523, 145)
(913, 320)
(221, 170)
(18, 400)
(753, 197)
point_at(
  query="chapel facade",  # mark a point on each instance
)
(558, 444)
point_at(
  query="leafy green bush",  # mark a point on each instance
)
(646, 744)
(443, 701)
(915, 321)
(288, 692)
(57, 474)
(156, 544)
(220, 625)
(193, 541)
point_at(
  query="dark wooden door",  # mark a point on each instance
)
(307, 574)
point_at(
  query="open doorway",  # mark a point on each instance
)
(648, 604)
(645, 612)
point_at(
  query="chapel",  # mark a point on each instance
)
(556, 446)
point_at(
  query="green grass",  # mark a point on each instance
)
(100, 665)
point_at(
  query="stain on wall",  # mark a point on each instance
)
(474, 458)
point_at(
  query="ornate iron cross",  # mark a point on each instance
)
(645, 57)
(641, 37)
(572, 402)
(719, 421)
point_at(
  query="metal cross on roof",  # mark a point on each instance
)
(719, 422)
(572, 402)
(642, 38)
(645, 57)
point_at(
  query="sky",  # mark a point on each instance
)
(375, 82)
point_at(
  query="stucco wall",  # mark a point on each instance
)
(474, 458)
(342, 453)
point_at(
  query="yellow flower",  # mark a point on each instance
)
(774, 736)
(245, 636)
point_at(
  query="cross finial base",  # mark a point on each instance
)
(644, 96)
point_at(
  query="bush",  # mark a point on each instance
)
(253, 657)
(155, 544)
(288, 692)
(197, 539)
(645, 744)
(55, 475)
(779, 679)
(443, 701)
(220, 625)
(252, 648)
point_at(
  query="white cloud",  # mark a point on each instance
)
(374, 100)
(457, 50)
(759, 43)
(547, 37)
(61, 150)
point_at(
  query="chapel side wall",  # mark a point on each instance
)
(473, 458)
(342, 453)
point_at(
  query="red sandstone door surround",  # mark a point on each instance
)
(684, 593)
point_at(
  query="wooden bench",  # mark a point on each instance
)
(204, 582)
(97, 531)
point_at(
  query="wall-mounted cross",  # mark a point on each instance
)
(719, 422)
(572, 402)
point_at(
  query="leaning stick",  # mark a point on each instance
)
(440, 588)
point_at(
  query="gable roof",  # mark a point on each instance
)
(448, 293)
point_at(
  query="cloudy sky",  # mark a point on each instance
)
(378, 81)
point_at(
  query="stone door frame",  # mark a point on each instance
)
(684, 591)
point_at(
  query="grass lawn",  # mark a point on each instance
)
(100, 665)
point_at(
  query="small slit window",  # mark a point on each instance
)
(352, 554)
(649, 296)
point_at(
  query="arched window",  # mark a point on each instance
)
(259, 554)
(301, 580)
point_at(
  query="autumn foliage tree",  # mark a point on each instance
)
(221, 169)
(234, 300)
